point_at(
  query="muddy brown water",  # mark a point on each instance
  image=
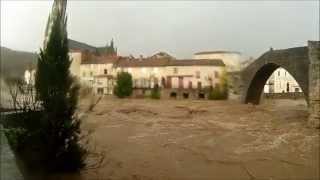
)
(183, 139)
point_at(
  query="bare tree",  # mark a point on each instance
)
(23, 96)
(14, 88)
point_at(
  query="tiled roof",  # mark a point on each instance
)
(217, 52)
(142, 62)
(76, 45)
(196, 62)
(118, 61)
(161, 54)
(92, 59)
(168, 62)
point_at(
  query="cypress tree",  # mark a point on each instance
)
(58, 93)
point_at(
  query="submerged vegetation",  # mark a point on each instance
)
(124, 85)
(155, 92)
(220, 92)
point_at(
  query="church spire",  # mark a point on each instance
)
(111, 44)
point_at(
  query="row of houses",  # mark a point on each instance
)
(178, 76)
(97, 68)
(99, 72)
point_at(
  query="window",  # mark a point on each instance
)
(135, 83)
(278, 73)
(190, 85)
(91, 73)
(100, 91)
(175, 70)
(84, 74)
(197, 74)
(156, 81)
(105, 71)
(143, 70)
(216, 74)
(199, 85)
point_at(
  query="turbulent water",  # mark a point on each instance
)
(184, 139)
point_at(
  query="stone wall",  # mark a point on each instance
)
(314, 84)
(193, 94)
(165, 93)
(288, 95)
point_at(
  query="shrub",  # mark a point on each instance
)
(123, 86)
(16, 137)
(155, 92)
(214, 94)
(224, 85)
(220, 92)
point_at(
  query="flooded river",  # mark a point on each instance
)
(183, 139)
(131, 139)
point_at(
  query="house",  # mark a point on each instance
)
(281, 82)
(97, 68)
(232, 59)
(170, 74)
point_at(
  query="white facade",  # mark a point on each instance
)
(75, 64)
(101, 75)
(29, 76)
(145, 77)
(232, 60)
(177, 76)
(194, 76)
(98, 76)
(281, 82)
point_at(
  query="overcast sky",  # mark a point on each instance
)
(179, 28)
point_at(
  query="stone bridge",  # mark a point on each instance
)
(303, 63)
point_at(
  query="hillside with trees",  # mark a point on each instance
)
(14, 63)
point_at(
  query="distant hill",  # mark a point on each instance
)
(14, 63)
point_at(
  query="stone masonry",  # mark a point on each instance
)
(303, 63)
(314, 84)
(254, 77)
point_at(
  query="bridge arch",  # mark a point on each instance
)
(254, 77)
(303, 63)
